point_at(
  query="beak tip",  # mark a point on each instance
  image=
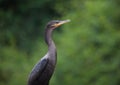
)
(68, 20)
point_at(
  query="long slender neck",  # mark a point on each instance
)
(48, 34)
(49, 41)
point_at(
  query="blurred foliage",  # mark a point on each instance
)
(88, 47)
(22, 21)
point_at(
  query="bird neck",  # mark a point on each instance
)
(52, 53)
(49, 41)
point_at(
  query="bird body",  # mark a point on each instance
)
(43, 70)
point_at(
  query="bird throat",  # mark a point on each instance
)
(48, 35)
(48, 38)
(51, 46)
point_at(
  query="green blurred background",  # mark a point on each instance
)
(88, 47)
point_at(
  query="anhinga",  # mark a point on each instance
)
(44, 69)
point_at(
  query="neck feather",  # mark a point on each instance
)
(52, 53)
(49, 41)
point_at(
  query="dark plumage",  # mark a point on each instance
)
(44, 69)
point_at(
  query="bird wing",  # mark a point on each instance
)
(38, 70)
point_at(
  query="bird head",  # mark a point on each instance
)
(56, 23)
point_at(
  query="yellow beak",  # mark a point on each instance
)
(61, 22)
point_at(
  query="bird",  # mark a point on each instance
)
(44, 69)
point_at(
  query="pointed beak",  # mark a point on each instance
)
(62, 22)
